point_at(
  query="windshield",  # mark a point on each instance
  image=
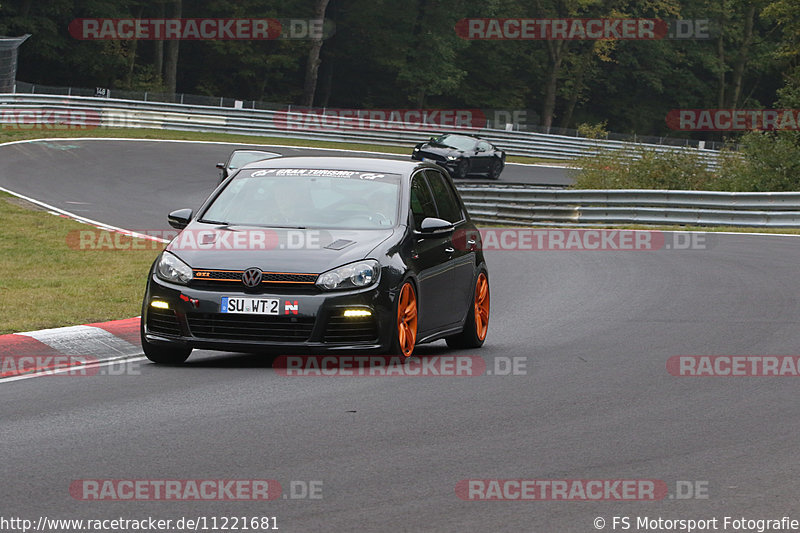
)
(308, 198)
(455, 141)
(241, 158)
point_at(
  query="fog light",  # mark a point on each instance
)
(350, 313)
(158, 304)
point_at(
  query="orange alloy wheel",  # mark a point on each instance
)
(482, 306)
(407, 319)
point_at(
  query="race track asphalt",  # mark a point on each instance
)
(138, 182)
(595, 401)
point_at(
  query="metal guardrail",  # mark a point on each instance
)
(137, 114)
(532, 206)
(501, 122)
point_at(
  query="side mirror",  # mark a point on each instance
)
(221, 166)
(435, 225)
(180, 219)
(480, 149)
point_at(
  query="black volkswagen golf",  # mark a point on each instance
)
(320, 254)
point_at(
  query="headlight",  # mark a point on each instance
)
(352, 276)
(170, 268)
(452, 157)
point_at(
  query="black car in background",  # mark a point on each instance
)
(334, 253)
(240, 158)
(462, 155)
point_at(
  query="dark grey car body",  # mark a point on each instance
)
(443, 264)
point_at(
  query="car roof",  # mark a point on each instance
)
(359, 164)
(460, 134)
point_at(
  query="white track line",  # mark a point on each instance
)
(57, 211)
(84, 340)
(104, 362)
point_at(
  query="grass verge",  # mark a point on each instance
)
(46, 281)
(7, 135)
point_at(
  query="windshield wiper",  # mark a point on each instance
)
(217, 222)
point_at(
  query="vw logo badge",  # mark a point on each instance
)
(252, 277)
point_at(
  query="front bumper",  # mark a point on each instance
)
(442, 161)
(307, 320)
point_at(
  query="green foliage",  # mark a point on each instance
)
(771, 162)
(642, 168)
(593, 131)
(767, 161)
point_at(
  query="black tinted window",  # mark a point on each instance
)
(422, 205)
(456, 141)
(308, 198)
(446, 201)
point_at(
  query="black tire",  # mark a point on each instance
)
(495, 168)
(462, 170)
(164, 354)
(469, 337)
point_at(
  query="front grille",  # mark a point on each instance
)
(233, 278)
(348, 330)
(250, 327)
(283, 277)
(219, 275)
(433, 157)
(272, 288)
(163, 321)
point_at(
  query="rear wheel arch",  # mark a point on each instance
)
(473, 334)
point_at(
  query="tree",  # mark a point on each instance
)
(430, 67)
(312, 66)
(173, 47)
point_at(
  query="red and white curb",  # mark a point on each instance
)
(53, 351)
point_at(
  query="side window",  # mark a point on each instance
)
(446, 201)
(422, 205)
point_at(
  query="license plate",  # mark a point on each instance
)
(250, 306)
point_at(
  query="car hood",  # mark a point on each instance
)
(207, 246)
(439, 149)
